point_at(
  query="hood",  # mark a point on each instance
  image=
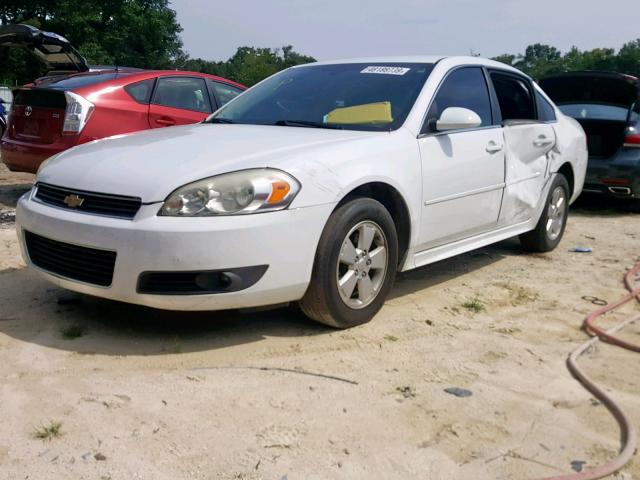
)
(52, 49)
(605, 88)
(153, 163)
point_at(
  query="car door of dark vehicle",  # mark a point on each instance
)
(179, 101)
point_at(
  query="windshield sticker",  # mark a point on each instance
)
(386, 70)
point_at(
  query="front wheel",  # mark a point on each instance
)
(550, 228)
(355, 265)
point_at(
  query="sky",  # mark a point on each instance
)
(334, 29)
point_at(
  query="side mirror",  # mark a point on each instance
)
(456, 118)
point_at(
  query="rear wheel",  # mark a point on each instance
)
(550, 228)
(355, 265)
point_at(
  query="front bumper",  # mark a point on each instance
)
(286, 241)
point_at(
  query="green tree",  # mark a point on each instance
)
(248, 65)
(506, 58)
(539, 60)
(629, 58)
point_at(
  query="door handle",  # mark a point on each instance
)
(167, 122)
(542, 141)
(493, 147)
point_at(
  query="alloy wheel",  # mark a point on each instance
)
(362, 264)
(556, 213)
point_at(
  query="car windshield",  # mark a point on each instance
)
(355, 96)
(595, 111)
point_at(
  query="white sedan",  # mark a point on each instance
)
(317, 185)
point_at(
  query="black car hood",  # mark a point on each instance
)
(52, 49)
(606, 88)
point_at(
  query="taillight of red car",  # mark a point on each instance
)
(76, 114)
(632, 140)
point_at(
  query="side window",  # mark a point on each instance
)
(141, 91)
(514, 96)
(546, 112)
(466, 88)
(186, 93)
(225, 93)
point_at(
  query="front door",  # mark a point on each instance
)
(462, 171)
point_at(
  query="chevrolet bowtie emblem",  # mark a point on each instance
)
(73, 201)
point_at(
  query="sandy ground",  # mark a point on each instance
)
(143, 394)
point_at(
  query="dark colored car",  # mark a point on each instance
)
(607, 105)
(62, 110)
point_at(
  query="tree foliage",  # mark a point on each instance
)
(132, 33)
(248, 65)
(540, 60)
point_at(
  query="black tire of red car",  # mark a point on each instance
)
(542, 238)
(325, 301)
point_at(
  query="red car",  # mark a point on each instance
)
(60, 111)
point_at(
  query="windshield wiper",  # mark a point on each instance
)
(307, 123)
(220, 120)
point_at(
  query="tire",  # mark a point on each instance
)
(340, 257)
(553, 221)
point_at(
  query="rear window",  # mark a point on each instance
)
(78, 81)
(224, 92)
(40, 98)
(141, 91)
(593, 111)
(546, 112)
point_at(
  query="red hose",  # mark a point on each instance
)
(628, 434)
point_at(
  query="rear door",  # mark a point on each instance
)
(528, 142)
(179, 100)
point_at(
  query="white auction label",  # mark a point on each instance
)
(386, 70)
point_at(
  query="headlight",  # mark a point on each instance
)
(246, 191)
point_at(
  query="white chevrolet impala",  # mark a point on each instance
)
(317, 185)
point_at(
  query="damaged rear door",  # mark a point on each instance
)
(529, 143)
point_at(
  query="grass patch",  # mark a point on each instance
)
(72, 332)
(474, 305)
(48, 432)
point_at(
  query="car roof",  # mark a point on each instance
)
(132, 75)
(163, 73)
(431, 59)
